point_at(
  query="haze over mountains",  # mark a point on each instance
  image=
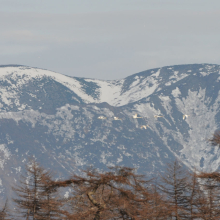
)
(55, 118)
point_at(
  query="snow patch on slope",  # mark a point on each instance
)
(202, 125)
(4, 155)
(176, 92)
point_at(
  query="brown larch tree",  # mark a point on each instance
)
(4, 212)
(155, 207)
(210, 181)
(34, 198)
(174, 186)
(209, 207)
(27, 200)
(51, 203)
(194, 194)
(117, 194)
(215, 140)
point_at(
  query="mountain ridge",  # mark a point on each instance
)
(55, 118)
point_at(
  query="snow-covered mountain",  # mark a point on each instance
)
(55, 118)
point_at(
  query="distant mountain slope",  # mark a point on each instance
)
(55, 118)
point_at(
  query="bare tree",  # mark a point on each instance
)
(209, 207)
(51, 204)
(194, 197)
(4, 212)
(28, 191)
(174, 186)
(215, 140)
(34, 198)
(155, 207)
(117, 194)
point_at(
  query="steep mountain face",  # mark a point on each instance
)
(55, 118)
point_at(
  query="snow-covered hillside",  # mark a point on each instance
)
(55, 118)
(115, 93)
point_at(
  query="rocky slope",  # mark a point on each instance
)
(55, 118)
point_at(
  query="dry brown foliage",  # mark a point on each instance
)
(4, 212)
(116, 194)
(120, 194)
(35, 199)
(215, 140)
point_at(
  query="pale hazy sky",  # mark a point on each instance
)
(108, 39)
